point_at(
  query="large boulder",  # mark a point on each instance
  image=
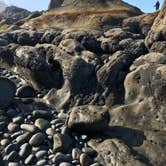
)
(35, 67)
(7, 92)
(88, 119)
(158, 30)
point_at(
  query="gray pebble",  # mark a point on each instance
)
(85, 160)
(16, 134)
(25, 150)
(23, 138)
(40, 154)
(95, 164)
(30, 159)
(12, 156)
(55, 121)
(13, 127)
(13, 164)
(29, 127)
(76, 153)
(65, 164)
(17, 119)
(37, 139)
(89, 151)
(41, 162)
(42, 124)
(11, 147)
(4, 142)
(50, 131)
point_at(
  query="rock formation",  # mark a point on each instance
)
(89, 92)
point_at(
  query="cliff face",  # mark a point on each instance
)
(86, 13)
(155, 40)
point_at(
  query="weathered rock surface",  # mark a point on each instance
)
(7, 92)
(88, 119)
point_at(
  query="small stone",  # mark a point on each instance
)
(4, 142)
(50, 131)
(12, 127)
(40, 154)
(65, 164)
(59, 158)
(13, 164)
(25, 91)
(11, 147)
(95, 164)
(65, 130)
(23, 138)
(12, 156)
(17, 119)
(85, 160)
(25, 150)
(41, 114)
(41, 162)
(16, 134)
(61, 142)
(89, 151)
(76, 153)
(29, 127)
(30, 159)
(55, 121)
(37, 139)
(42, 124)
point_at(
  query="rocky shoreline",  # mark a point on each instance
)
(84, 97)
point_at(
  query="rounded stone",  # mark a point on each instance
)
(50, 132)
(13, 164)
(25, 150)
(41, 162)
(29, 127)
(25, 91)
(11, 147)
(65, 164)
(40, 154)
(13, 127)
(85, 160)
(30, 159)
(37, 139)
(89, 151)
(12, 156)
(76, 153)
(4, 142)
(23, 138)
(42, 124)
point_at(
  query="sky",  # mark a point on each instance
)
(32, 5)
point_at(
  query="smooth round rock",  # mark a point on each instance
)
(11, 147)
(65, 164)
(40, 154)
(37, 139)
(50, 132)
(42, 124)
(7, 92)
(85, 160)
(23, 138)
(41, 162)
(25, 91)
(4, 142)
(13, 127)
(76, 153)
(13, 164)
(12, 156)
(30, 159)
(29, 127)
(25, 150)
(89, 151)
